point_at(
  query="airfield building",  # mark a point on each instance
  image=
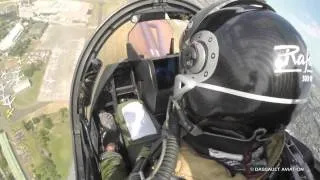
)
(21, 85)
(11, 38)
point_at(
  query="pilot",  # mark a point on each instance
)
(245, 72)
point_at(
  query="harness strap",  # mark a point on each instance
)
(298, 167)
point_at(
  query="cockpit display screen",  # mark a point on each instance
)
(166, 71)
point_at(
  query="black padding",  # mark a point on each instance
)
(305, 151)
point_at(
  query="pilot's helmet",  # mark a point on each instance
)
(242, 67)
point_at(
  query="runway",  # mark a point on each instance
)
(66, 44)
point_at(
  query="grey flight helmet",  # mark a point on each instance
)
(243, 68)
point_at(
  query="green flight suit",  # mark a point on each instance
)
(112, 166)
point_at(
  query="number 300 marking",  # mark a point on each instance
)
(306, 78)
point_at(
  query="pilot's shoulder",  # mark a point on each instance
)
(191, 166)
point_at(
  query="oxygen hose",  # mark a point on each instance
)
(168, 164)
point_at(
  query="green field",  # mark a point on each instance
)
(60, 145)
(50, 154)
